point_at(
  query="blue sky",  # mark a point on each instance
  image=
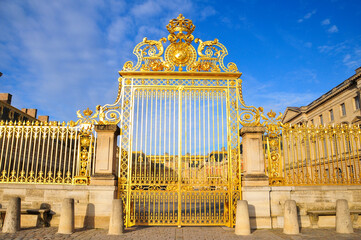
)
(61, 56)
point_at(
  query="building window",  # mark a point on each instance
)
(357, 102)
(331, 115)
(343, 109)
(312, 121)
(321, 119)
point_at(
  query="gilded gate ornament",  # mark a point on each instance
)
(180, 53)
(272, 143)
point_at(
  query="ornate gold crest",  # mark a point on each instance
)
(180, 53)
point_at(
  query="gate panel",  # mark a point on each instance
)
(174, 127)
(204, 178)
(154, 159)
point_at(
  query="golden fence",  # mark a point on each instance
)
(313, 155)
(46, 153)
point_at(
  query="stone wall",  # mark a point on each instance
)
(92, 203)
(266, 204)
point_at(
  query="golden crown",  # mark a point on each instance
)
(180, 24)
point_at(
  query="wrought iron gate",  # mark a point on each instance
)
(179, 159)
(178, 166)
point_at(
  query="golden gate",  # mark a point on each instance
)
(179, 159)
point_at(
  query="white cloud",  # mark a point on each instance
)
(349, 52)
(63, 56)
(307, 16)
(326, 22)
(353, 59)
(207, 12)
(333, 29)
(347, 58)
(308, 44)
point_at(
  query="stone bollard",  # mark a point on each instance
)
(12, 218)
(243, 226)
(290, 218)
(66, 225)
(116, 224)
(343, 218)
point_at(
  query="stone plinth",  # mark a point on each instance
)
(253, 156)
(106, 162)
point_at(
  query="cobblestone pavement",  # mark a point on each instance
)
(184, 233)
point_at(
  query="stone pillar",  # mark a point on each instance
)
(243, 226)
(253, 156)
(66, 224)
(291, 225)
(105, 161)
(116, 225)
(255, 185)
(103, 184)
(12, 218)
(343, 218)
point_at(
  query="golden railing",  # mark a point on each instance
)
(313, 155)
(45, 153)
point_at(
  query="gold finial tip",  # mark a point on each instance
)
(180, 24)
(87, 112)
(271, 114)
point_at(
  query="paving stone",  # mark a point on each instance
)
(175, 233)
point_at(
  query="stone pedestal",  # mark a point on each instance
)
(12, 217)
(66, 225)
(291, 225)
(106, 162)
(243, 226)
(253, 156)
(343, 218)
(255, 184)
(116, 224)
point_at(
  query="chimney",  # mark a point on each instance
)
(32, 112)
(6, 97)
(43, 118)
(358, 70)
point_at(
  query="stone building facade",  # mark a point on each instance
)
(11, 113)
(339, 105)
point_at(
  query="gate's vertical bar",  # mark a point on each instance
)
(160, 135)
(229, 222)
(137, 126)
(199, 133)
(20, 150)
(30, 138)
(169, 141)
(218, 147)
(190, 139)
(146, 138)
(204, 135)
(155, 136)
(179, 211)
(174, 138)
(11, 133)
(152, 97)
(129, 176)
(164, 136)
